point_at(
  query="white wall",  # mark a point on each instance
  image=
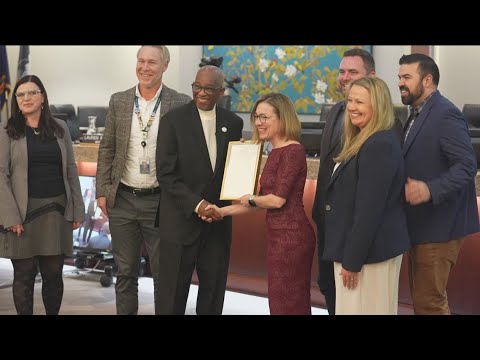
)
(88, 75)
(459, 73)
(386, 64)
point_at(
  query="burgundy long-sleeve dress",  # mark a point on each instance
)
(291, 239)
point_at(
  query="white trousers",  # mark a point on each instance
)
(376, 292)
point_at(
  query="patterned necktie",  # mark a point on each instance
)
(411, 119)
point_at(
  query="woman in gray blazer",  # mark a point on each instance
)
(41, 199)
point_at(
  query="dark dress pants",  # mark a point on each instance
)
(209, 255)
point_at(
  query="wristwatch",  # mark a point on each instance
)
(251, 202)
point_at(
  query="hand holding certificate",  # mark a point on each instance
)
(241, 169)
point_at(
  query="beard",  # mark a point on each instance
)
(412, 96)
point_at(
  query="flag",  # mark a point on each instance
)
(23, 62)
(5, 86)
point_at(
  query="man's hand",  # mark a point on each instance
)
(102, 204)
(416, 192)
(209, 213)
(214, 207)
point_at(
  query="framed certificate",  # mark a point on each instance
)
(241, 169)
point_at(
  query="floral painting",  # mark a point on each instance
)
(307, 74)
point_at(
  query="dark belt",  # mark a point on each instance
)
(139, 192)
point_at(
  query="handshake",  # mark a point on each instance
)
(209, 212)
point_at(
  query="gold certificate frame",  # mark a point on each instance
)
(241, 169)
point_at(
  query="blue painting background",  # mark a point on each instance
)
(307, 74)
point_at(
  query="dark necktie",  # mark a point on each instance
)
(408, 125)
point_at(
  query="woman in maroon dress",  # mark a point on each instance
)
(291, 239)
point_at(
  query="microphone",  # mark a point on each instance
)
(231, 83)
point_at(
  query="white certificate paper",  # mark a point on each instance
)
(241, 169)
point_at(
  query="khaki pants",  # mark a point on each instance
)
(429, 268)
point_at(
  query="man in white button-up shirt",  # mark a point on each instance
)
(127, 188)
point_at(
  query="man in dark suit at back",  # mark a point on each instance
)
(191, 153)
(355, 64)
(440, 165)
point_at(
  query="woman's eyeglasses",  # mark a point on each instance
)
(21, 95)
(262, 117)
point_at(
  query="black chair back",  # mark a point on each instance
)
(99, 111)
(471, 112)
(67, 112)
(401, 113)
(324, 113)
(225, 102)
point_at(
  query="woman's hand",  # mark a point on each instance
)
(216, 209)
(350, 279)
(76, 224)
(18, 229)
(244, 200)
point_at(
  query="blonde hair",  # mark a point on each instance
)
(163, 49)
(290, 127)
(382, 117)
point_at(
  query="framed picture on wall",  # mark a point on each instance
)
(306, 74)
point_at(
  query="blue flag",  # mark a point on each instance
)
(23, 62)
(5, 86)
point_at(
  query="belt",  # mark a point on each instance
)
(139, 192)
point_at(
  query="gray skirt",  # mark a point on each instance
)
(46, 232)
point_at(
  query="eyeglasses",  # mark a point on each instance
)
(208, 89)
(21, 95)
(262, 117)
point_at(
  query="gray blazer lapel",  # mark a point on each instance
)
(125, 111)
(166, 97)
(19, 179)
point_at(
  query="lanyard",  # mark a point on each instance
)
(150, 120)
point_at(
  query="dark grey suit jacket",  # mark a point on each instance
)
(185, 173)
(114, 144)
(329, 148)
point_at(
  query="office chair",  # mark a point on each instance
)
(67, 112)
(99, 111)
(401, 113)
(225, 102)
(471, 112)
(324, 113)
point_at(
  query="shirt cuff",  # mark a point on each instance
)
(196, 209)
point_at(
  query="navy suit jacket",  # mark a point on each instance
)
(365, 210)
(438, 150)
(185, 173)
